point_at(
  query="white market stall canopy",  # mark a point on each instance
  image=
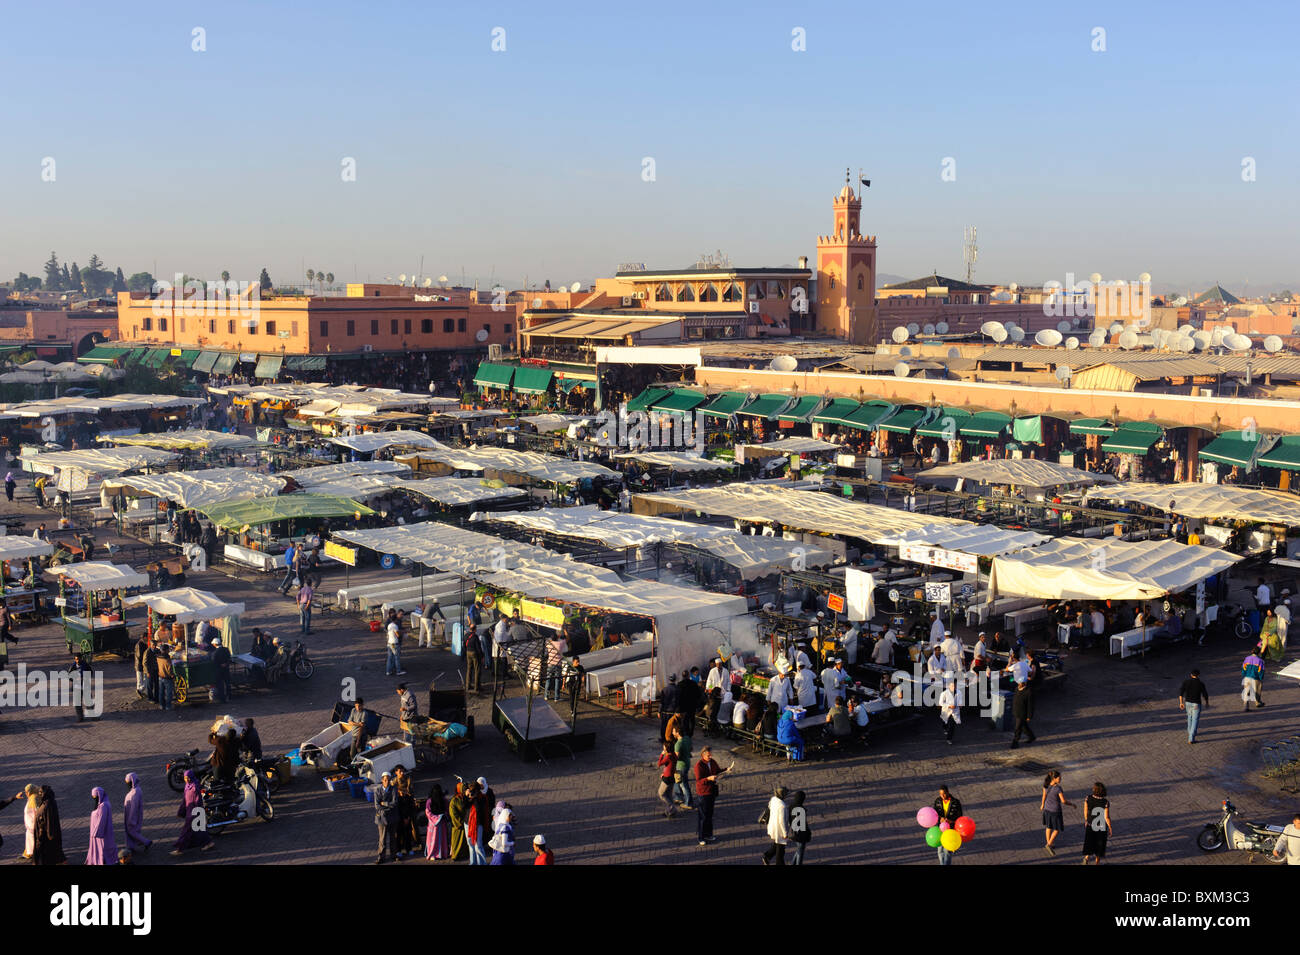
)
(196, 439)
(1210, 502)
(754, 556)
(1100, 569)
(372, 441)
(94, 406)
(497, 461)
(340, 400)
(546, 423)
(186, 604)
(330, 473)
(95, 575)
(1026, 472)
(13, 547)
(201, 488)
(100, 462)
(983, 540)
(792, 446)
(811, 511)
(456, 551)
(675, 460)
(448, 491)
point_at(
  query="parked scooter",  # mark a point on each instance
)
(300, 663)
(1236, 833)
(225, 804)
(176, 766)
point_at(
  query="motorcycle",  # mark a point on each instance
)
(225, 804)
(265, 770)
(300, 663)
(1236, 833)
(176, 766)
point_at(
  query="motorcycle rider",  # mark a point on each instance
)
(278, 663)
(251, 741)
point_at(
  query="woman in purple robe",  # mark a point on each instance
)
(191, 810)
(133, 816)
(437, 839)
(103, 847)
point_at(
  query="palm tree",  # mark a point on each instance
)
(329, 278)
(225, 275)
(311, 275)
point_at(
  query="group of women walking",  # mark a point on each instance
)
(43, 831)
(1096, 818)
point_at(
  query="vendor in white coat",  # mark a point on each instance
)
(719, 677)
(936, 666)
(778, 691)
(850, 643)
(801, 658)
(1283, 613)
(833, 680)
(953, 652)
(805, 687)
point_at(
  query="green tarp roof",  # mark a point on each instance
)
(679, 401)
(568, 384)
(156, 357)
(234, 515)
(186, 357)
(532, 381)
(903, 420)
(304, 363)
(802, 409)
(1285, 454)
(765, 406)
(205, 361)
(493, 376)
(837, 412)
(1132, 437)
(1099, 426)
(643, 401)
(268, 366)
(1028, 430)
(104, 354)
(1232, 447)
(870, 415)
(725, 404)
(225, 364)
(946, 424)
(985, 424)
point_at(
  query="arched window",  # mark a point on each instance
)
(860, 284)
(687, 293)
(709, 293)
(832, 280)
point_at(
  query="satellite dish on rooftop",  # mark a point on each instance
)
(1217, 335)
(1062, 326)
(902, 370)
(1095, 278)
(402, 278)
(1097, 337)
(1273, 343)
(1186, 344)
(481, 335)
(1048, 337)
(576, 286)
(1063, 373)
(1202, 339)
(1014, 287)
(1116, 328)
(987, 327)
(1144, 277)
(1128, 339)
(1239, 342)
(1016, 333)
(999, 335)
(928, 329)
(442, 279)
(913, 328)
(942, 328)
(899, 334)
(1072, 343)
(905, 352)
(954, 353)
(784, 363)
(428, 283)
(1180, 301)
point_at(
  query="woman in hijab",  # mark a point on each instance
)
(133, 815)
(435, 837)
(103, 847)
(457, 810)
(503, 842)
(191, 806)
(48, 847)
(477, 819)
(29, 818)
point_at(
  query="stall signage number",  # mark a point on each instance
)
(938, 557)
(344, 555)
(893, 595)
(60, 601)
(835, 603)
(938, 592)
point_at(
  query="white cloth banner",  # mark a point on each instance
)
(860, 595)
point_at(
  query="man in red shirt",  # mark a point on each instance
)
(706, 787)
(542, 853)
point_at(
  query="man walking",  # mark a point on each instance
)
(151, 673)
(408, 710)
(166, 679)
(473, 661)
(393, 666)
(1022, 708)
(305, 595)
(1252, 681)
(290, 554)
(706, 787)
(948, 807)
(385, 816)
(1191, 696)
(949, 712)
(667, 705)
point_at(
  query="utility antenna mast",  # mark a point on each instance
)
(969, 251)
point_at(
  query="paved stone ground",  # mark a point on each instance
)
(1112, 720)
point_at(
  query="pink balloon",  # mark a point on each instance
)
(927, 817)
(943, 825)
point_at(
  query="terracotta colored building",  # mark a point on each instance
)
(54, 331)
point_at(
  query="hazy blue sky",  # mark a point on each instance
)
(529, 161)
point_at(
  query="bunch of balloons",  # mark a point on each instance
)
(939, 832)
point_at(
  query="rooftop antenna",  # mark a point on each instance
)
(969, 251)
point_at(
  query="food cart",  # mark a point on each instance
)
(186, 605)
(22, 602)
(85, 630)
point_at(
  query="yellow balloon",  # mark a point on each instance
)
(951, 840)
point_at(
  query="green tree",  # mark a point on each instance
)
(311, 275)
(329, 278)
(53, 275)
(95, 262)
(65, 281)
(225, 275)
(119, 281)
(264, 280)
(74, 277)
(139, 282)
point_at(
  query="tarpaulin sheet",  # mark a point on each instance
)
(186, 604)
(1211, 502)
(1025, 472)
(201, 488)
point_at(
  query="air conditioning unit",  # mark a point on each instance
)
(367, 347)
(753, 308)
(627, 301)
(494, 352)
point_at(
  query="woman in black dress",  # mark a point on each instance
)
(1096, 824)
(48, 846)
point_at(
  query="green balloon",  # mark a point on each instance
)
(932, 837)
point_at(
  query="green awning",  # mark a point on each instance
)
(1285, 454)
(837, 412)
(532, 381)
(268, 366)
(305, 363)
(493, 376)
(186, 357)
(1097, 426)
(869, 416)
(156, 358)
(205, 361)
(946, 424)
(679, 401)
(234, 515)
(568, 384)
(1028, 430)
(765, 406)
(725, 404)
(802, 410)
(104, 354)
(1131, 438)
(225, 364)
(134, 356)
(904, 420)
(985, 424)
(1232, 447)
(643, 401)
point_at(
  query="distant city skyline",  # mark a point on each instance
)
(530, 160)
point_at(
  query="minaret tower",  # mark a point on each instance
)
(846, 274)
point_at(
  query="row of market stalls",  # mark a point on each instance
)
(65, 419)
